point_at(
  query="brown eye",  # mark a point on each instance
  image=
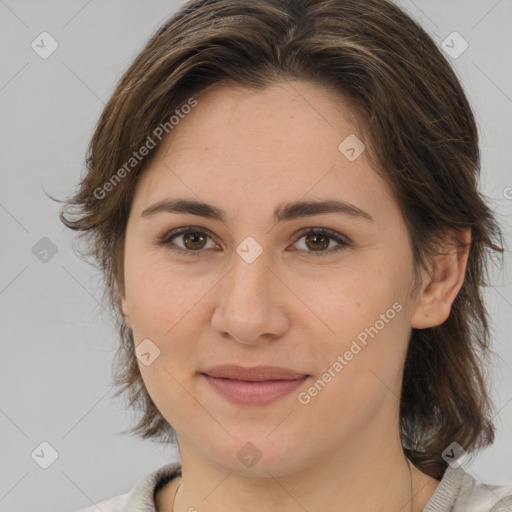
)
(317, 241)
(188, 241)
(194, 241)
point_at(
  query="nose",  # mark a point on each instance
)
(250, 304)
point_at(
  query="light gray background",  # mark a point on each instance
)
(57, 341)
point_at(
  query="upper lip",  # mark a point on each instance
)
(254, 373)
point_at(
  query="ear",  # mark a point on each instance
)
(126, 311)
(442, 284)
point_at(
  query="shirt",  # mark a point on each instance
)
(458, 491)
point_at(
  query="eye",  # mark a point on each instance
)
(193, 240)
(317, 242)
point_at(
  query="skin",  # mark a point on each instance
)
(247, 152)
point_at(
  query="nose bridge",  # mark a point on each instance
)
(249, 277)
(247, 307)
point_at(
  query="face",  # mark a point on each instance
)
(324, 293)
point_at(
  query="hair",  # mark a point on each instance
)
(420, 134)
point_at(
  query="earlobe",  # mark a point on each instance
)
(125, 311)
(441, 286)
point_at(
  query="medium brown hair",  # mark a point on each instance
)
(420, 134)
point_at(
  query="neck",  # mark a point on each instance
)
(362, 476)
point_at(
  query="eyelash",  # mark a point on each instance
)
(166, 240)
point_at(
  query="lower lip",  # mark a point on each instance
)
(253, 393)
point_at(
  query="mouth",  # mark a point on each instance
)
(254, 373)
(258, 385)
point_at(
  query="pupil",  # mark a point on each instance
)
(195, 237)
(314, 238)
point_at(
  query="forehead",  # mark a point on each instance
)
(281, 143)
(275, 117)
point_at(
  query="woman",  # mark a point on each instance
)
(283, 198)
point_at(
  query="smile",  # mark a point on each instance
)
(253, 392)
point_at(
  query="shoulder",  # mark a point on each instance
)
(461, 491)
(480, 497)
(141, 496)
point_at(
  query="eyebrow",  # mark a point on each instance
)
(283, 212)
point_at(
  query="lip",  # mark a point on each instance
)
(248, 393)
(253, 373)
(259, 385)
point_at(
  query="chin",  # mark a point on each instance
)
(259, 456)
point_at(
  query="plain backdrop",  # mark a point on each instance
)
(57, 341)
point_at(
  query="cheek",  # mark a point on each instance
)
(366, 310)
(359, 378)
(160, 298)
(167, 310)
(162, 310)
(351, 297)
